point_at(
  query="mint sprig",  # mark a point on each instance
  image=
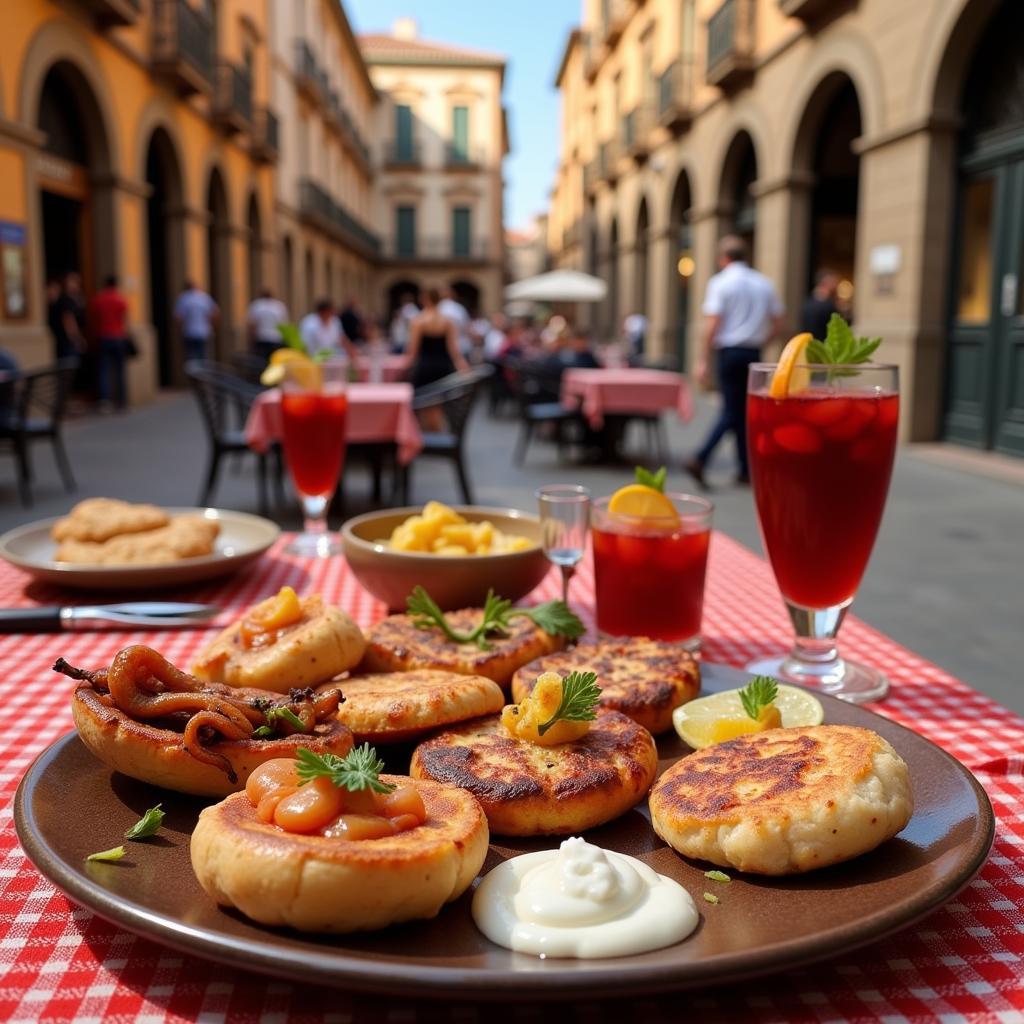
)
(841, 349)
(758, 693)
(656, 481)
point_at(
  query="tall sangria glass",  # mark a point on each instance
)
(821, 458)
(314, 407)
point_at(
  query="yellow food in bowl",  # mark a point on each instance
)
(440, 530)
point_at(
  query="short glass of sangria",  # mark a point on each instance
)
(821, 457)
(314, 407)
(649, 570)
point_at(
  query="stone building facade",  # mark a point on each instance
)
(882, 140)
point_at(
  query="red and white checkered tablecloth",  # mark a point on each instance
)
(965, 962)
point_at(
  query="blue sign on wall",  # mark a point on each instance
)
(11, 233)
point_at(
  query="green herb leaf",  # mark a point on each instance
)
(148, 825)
(292, 337)
(580, 695)
(758, 693)
(711, 897)
(649, 479)
(277, 715)
(555, 618)
(264, 732)
(108, 856)
(360, 769)
(717, 876)
(840, 348)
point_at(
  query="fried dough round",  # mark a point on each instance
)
(324, 643)
(392, 707)
(784, 801)
(528, 790)
(395, 645)
(150, 753)
(318, 884)
(645, 679)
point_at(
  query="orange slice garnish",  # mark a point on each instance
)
(641, 502)
(790, 377)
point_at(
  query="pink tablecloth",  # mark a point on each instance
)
(376, 413)
(626, 391)
(393, 367)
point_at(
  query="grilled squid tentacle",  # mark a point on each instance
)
(224, 720)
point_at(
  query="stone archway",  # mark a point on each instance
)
(641, 289)
(218, 257)
(679, 270)
(737, 203)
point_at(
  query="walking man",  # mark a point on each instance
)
(196, 314)
(741, 313)
(110, 313)
(265, 316)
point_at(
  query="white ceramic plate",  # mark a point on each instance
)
(242, 539)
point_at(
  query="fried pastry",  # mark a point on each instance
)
(95, 520)
(183, 537)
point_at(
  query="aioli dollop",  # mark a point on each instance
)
(581, 901)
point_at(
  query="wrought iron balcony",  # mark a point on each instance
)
(470, 158)
(731, 44)
(266, 146)
(307, 76)
(182, 45)
(107, 13)
(438, 250)
(232, 97)
(636, 131)
(403, 153)
(675, 95)
(608, 154)
(321, 209)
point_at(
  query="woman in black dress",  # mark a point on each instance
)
(433, 353)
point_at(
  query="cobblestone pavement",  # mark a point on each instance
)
(945, 579)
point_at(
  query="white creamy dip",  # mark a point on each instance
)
(581, 901)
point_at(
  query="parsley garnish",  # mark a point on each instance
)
(580, 694)
(148, 825)
(758, 693)
(656, 481)
(840, 348)
(554, 617)
(108, 856)
(360, 769)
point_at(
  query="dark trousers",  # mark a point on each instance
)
(732, 366)
(195, 348)
(112, 354)
(266, 348)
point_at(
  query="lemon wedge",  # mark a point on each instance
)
(720, 716)
(641, 502)
(287, 362)
(789, 376)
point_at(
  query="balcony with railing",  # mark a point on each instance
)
(321, 209)
(437, 250)
(266, 131)
(108, 13)
(182, 46)
(636, 131)
(402, 153)
(731, 44)
(232, 97)
(608, 154)
(458, 156)
(675, 95)
(307, 76)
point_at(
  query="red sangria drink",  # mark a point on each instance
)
(314, 407)
(821, 457)
(649, 569)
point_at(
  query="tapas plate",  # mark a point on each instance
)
(70, 805)
(242, 539)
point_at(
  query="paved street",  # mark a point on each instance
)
(945, 578)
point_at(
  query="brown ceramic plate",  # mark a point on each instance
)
(69, 805)
(242, 539)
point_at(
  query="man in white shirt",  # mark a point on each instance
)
(634, 330)
(265, 315)
(322, 330)
(451, 309)
(741, 313)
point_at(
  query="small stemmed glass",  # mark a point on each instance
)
(564, 520)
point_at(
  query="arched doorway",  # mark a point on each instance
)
(643, 242)
(985, 385)
(737, 203)
(77, 212)
(288, 276)
(218, 257)
(401, 292)
(680, 269)
(468, 294)
(255, 248)
(165, 250)
(825, 154)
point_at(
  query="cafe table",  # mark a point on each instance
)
(626, 391)
(964, 962)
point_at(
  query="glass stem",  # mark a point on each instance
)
(567, 574)
(314, 510)
(815, 654)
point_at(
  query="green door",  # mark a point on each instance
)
(461, 232)
(405, 231)
(403, 134)
(985, 372)
(460, 134)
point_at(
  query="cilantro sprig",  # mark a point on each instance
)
(840, 349)
(580, 696)
(554, 617)
(358, 770)
(148, 825)
(656, 481)
(758, 693)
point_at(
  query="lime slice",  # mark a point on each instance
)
(789, 377)
(699, 721)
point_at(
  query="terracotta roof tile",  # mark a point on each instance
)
(381, 47)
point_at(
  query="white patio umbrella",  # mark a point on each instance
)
(558, 286)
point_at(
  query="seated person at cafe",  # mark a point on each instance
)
(577, 353)
(322, 329)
